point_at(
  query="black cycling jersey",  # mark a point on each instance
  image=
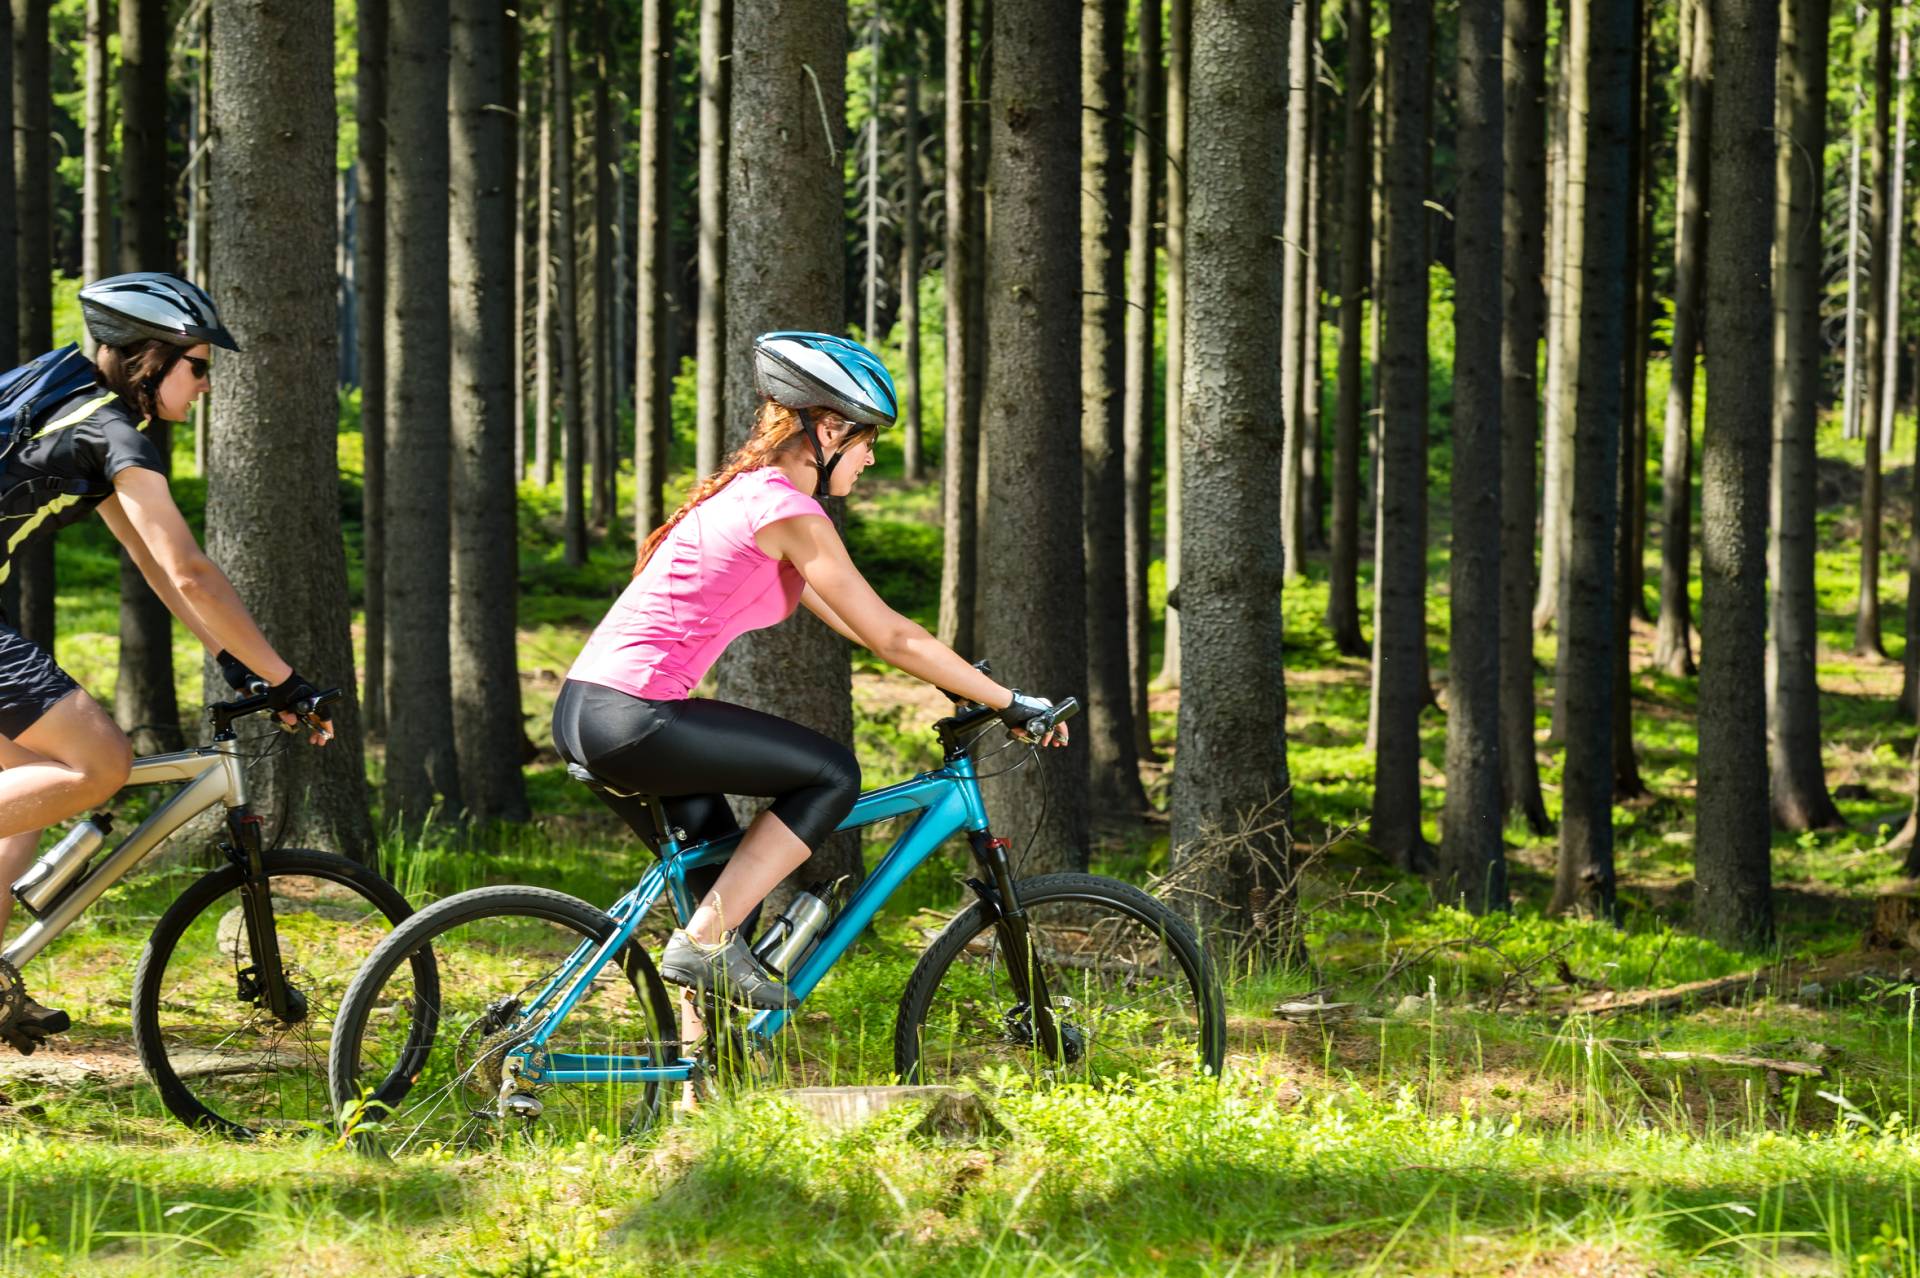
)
(66, 470)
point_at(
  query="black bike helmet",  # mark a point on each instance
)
(152, 305)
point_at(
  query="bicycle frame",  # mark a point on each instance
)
(213, 775)
(948, 801)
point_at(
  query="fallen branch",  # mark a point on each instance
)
(1803, 1068)
(1721, 989)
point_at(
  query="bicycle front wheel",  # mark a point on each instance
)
(1132, 991)
(504, 958)
(221, 1060)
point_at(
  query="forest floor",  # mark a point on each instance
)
(1517, 1095)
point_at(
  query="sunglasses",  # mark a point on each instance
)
(197, 366)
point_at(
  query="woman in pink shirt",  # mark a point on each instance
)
(751, 544)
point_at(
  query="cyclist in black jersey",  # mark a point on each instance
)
(60, 753)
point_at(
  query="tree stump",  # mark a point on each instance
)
(952, 1114)
(1896, 918)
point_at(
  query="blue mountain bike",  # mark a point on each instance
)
(549, 1011)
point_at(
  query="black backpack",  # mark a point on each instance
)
(29, 394)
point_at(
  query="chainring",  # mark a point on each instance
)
(13, 993)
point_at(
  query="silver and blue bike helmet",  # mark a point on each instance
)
(805, 371)
(819, 370)
(152, 305)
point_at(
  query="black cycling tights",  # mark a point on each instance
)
(693, 753)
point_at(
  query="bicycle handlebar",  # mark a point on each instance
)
(223, 713)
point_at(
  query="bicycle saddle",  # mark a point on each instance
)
(594, 781)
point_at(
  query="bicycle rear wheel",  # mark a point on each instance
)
(1133, 992)
(497, 951)
(221, 1061)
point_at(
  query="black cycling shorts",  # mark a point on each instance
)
(30, 682)
(692, 753)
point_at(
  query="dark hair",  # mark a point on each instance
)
(134, 372)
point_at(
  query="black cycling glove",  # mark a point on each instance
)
(235, 672)
(1024, 709)
(290, 692)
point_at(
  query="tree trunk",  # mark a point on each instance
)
(96, 203)
(1897, 181)
(32, 564)
(199, 128)
(1032, 572)
(144, 702)
(1554, 299)
(370, 264)
(486, 684)
(1585, 879)
(786, 268)
(1293, 307)
(1523, 218)
(978, 221)
(1473, 859)
(960, 451)
(606, 160)
(653, 255)
(545, 336)
(1866, 624)
(526, 122)
(1142, 276)
(1567, 345)
(10, 344)
(1113, 766)
(710, 331)
(1400, 593)
(1179, 21)
(914, 465)
(872, 247)
(271, 490)
(1633, 397)
(421, 763)
(1673, 640)
(1356, 234)
(1850, 387)
(566, 296)
(1732, 845)
(1313, 467)
(1233, 746)
(1634, 585)
(1799, 791)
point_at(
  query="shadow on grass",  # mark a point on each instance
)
(1198, 1215)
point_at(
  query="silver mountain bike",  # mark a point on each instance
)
(235, 993)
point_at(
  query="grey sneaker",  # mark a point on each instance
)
(727, 969)
(33, 1026)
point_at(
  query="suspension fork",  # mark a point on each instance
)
(267, 975)
(1010, 918)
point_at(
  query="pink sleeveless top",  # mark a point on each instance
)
(707, 583)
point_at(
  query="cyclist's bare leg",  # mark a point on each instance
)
(72, 758)
(768, 852)
(16, 853)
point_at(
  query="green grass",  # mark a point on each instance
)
(1467, 1123)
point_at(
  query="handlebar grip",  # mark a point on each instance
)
(1062, 711)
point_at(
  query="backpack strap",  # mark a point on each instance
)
(59, 484)
(77, 416)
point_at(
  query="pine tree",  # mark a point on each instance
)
(1732, 846)
(273, 492)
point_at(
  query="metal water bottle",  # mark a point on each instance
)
(786, 939)
(47, 879)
